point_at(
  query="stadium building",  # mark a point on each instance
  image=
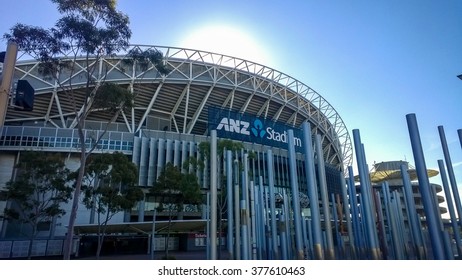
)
(171, 116)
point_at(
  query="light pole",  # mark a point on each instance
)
(9, 63)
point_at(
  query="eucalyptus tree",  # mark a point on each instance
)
(88, 30)
(37, 193)
(109, 187)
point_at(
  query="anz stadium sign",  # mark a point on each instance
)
(253, 129)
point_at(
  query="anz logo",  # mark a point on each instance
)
(257, 129)
(232, 125)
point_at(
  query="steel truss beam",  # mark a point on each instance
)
(230, 82)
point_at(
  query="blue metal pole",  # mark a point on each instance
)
(244, 230)
(264, 220)
(401, 227)
(330, 254)
(386, 207)
(444, 234)
(365, 204)
(354, 212)
(229, 200)
(459, 132)
(347, 213)
(424, 187)
(283, 235)
(452, 177)
(268, 226)
(447, 245)
(258, 225)
(436, 206)
(365, 242)
(253, 235)
(213, 195)
(364, 178)
(268, 242)
(423, 233)
(288, 224)
(246, 192)
(306, 244)
(207, 217)
(237, 211)
(295, 195)
(337, 220)
(411, 209)
(274, 233)
(452, 213)
(310, 238)
(245, 248)
(381, 223)
(312, 191)
(370, 203)
(402, 233)
(397, 244)
(260, 221)
(391, 221)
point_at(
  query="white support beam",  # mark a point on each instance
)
(127, 123)
(278, 113)
(229, 99)
(175, 124)
(247, 102)
(180, 99)
(263, 108)
(199, 109)
(60, 110)
(185, 118)
(148, 109)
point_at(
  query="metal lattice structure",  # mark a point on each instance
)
(197, 79)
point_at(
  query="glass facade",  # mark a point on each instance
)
(16, 137)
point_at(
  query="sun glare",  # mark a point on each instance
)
(229, 41)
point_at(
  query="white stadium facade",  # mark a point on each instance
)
(172, 114)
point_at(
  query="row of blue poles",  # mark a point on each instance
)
(260, 230)
(257, 229)
(376, 227)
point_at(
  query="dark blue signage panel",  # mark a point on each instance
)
(253, 129)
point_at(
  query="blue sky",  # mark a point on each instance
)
(374, 61)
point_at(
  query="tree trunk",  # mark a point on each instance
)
(67, 250)
(220, 229)
(31, 240)
(168, 232)
(100, 245)
(101, 234)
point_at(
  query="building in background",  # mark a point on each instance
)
(390, 172)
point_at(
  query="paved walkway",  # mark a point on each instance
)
(178, 255)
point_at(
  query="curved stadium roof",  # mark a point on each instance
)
(198, 79)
